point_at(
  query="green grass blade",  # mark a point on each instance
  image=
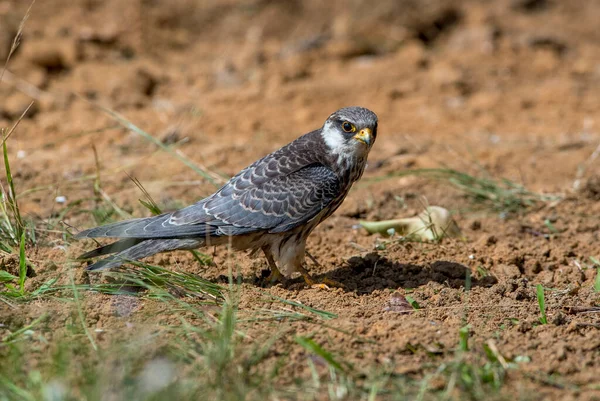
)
(22, 265)
(596, 263)
(542, 303)
(313, 347)
(186, 284)
(463, 335)
(13, 336)
(152, 207)
(12, 388)
(81, 316)
(18, 226)
(320, 313)
(415, 305)
(6, 277)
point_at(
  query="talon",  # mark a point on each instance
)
(332, 283)
(273, 277)
(324, 284)
(321, 286)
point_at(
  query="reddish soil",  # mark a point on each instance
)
(511, 88)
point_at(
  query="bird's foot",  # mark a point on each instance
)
(323, 283)
(273, 278)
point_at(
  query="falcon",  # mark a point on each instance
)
(272, 205)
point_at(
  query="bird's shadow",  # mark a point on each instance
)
(373, 272)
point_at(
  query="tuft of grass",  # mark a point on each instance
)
(202, 357)
(149, 281)
(13, 232)
(178, 283)
(501, 195)
(472, 379)
(12, 227)
(541, 303)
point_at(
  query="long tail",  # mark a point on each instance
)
(131, 249)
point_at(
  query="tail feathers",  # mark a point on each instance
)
(115, 247)
(152, 227)
(133, 249)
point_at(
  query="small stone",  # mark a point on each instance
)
(492, 240)
(398, 303)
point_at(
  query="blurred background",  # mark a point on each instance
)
(503, 83)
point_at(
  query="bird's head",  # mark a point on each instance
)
(350, 131)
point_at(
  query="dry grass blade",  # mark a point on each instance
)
(17, 39)
(325, 315)
(16, 124)
(181, 283)
(501, 195)
(214, 179)
(14, 228)
(150, 204)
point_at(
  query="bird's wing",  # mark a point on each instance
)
(277, 205)
(276, 193)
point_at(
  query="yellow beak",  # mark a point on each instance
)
(365, 136)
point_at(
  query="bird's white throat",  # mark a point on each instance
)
(339, 145)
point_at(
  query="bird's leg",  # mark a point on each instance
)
(311, 257)
(275, 274)
(323, 283)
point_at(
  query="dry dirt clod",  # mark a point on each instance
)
(55, 56)
(591, 188)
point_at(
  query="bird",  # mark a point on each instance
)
(271, 206)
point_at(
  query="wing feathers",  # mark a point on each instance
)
(283, 190)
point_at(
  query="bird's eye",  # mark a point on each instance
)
(348, 127)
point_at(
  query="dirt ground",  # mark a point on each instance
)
(505, 88)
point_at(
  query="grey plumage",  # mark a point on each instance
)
(271, 205)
